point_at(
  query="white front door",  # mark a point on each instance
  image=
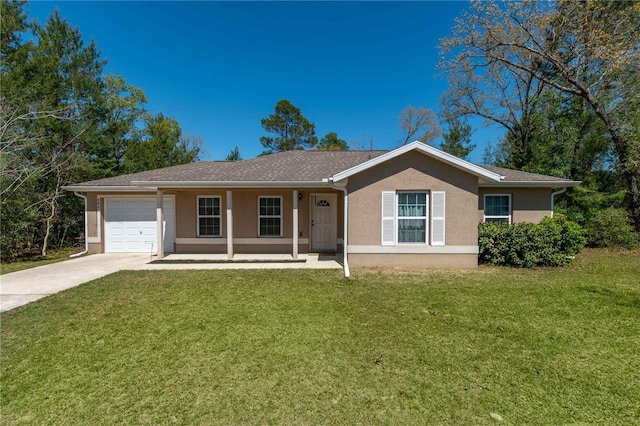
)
(130, 225)
(324, 212)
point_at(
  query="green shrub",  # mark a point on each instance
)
(611, 228)
(552, 242)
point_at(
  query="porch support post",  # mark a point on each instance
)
(160, 224)
(229, 224)
(295, 224)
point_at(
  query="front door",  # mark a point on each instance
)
(324, 212)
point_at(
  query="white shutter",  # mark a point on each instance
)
(388, 218)
(437, 218)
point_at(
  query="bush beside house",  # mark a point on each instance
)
(611, 227)
(552, 242)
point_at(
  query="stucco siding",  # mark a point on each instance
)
(95, 248)
(201, 248)
(413, 171)
(187, 212)
(92, 216)
(527, 204)
(413, 260)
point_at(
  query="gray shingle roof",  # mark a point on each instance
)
(289, 166)
(518, 176)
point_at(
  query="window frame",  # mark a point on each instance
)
(484, 209)
(398, 218)
(280, 216)
(213, 216)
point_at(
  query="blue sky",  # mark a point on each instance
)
(220, 67)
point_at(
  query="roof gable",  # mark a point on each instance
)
(418, 146)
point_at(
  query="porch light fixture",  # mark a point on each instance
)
(299, 195)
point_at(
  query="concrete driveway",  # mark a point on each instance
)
(22, 287)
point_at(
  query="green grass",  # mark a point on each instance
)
(37, 260)
(542, 346)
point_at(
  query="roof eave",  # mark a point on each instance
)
(233, 184)
(114, 188)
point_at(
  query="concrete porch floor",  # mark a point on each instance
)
(243, 261)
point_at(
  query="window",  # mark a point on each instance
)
(209, 217)
(497, 208)
(405, 216)
(270, 216)
(412, 217)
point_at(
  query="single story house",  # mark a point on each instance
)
(414, 206)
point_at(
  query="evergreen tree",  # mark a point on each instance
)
(162, 145)
(292, 129)
(234, 155)
(331, 142)
(457, 138)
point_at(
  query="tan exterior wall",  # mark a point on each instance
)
(413, 171)
(186, 212)
(95, 248)
(201, 248)
(245, 219)
(527, 204)
(93, 233)
(92, 215)
(418, 261)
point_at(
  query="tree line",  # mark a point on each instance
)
(63, 121)
(562, 78)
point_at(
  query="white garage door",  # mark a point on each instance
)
(130, 225)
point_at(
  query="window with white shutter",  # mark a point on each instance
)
(405, 215)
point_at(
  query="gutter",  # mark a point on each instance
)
(86, 226)
(345, 232)
(108, 188)
(553, 198)
(531, 184)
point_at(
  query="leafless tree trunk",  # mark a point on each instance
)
(415, 120)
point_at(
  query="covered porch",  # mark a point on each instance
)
(248, 224)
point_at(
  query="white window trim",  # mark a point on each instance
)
(484, 208)
(270, 216)
(198, 216)
(425, 218)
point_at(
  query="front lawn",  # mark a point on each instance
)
(488, 346)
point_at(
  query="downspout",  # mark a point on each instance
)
(345, 232)
(86, 226)
(553, 198)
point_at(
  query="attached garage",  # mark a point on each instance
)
(130, 225)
